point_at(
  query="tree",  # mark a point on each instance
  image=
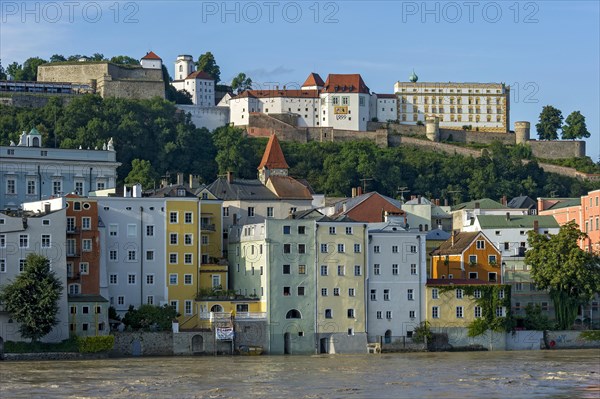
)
(2, 72)
(32, 298)
(124, 60)
(14, 70)
(143, 173)
(571, 275)
(206, 63)
(575, 127)
(550, 122)
(57, 58)
(241, 83)
(150, 317)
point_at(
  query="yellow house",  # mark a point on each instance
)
(457, 302)
(467, 255)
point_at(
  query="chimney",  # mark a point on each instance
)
(453, 237)
(540, 205)
(163, 183)
(353, 192)
(504, 201)
(445, 201)
(179, 178)
(229, 177)
(477, 205)
(191, 180)
(359, 191)
(507, 216)
(536, 225)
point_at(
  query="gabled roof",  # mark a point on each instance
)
(516, 221)
(563, 203)
(273, 156)
(484, 203)
(306, 214)
(278, 93)
(313, 80)
(240, 189)
(199, 75)
(361, 207)
(351, 83)
(151, 56)
(286, 187)
(462, 241)
(522, 202)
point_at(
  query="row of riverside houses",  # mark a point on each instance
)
(322, 276)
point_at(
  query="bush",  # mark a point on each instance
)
(591, 335)
(68, 345)
(420, 123)
(422, 333)
(95, 344)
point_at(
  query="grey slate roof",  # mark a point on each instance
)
(241, 189)
(522, 202)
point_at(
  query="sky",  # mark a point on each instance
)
(547, 51)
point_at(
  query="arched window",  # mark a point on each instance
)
(180, 68)
(216, 308)
(293, 314)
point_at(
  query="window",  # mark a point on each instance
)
(301, 248)
(472, 259)
(150, 230)
(113, 230)
(411, 294)
(131, 255)
(434, 293)
(173, 279)
(473, 275)
(149, 279)
(2, 241)
(22, 265)
(173, 217)
(226, 211)
(492, 277)
(413, 269)
(349, 230)
(351, 292)
(323, 291)
(187, 307)
(188, 259)
(459, 312)
(519, 286)
(376, 269)
(480, 244)
(86, 245)
(31, 187)
(459, 294)
(301, 269)
(286, 269)
(112, 279)
(386, 295)
(477, 312)
(84, 268)
(301, 230)
(121, 300)
(187, 279)
(86, 223)
(188, 218)
(250, 211)
(323, 270)
(376, 249)
(130, 278)
(477, 294)
(492, 259)
(357, 270)
(328, 314)
(57, 187)
(332, 230)
(341, 270)
(394, 249)
(379, 313)
(336, 292)
(74, 289)
(501, 294)
(388, 315)
(173, 258)
(373, 295)
(174, 305)
(287, 229)
(411, 314)
(413, 249)
(45, 240)
(173, 238)
(395, 269)
(2, 265)
(269, 212)
(113, 255)
(323, 248)
(500, 311)
(350, 313)
(188, 239)
(435, 312)
(287, 248)
(300, 291)
(356, 248)
(23, 241)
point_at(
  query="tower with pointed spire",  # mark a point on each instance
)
(273, 161)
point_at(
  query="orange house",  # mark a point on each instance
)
(467, 255)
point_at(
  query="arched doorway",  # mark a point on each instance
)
(216, 308)
(197, 344)
(293, 314)
(387, 338)
(36, 142)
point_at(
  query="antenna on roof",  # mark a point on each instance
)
(401, 191)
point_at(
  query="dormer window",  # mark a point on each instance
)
(181, 192)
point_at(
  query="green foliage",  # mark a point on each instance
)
(101, 343)
(235, 153)
(112, 314)
(27, 71)
(141, 172)
(581, 164)
(57, 58)
(535, 319)
(32, 298)
(68, 345)
(2, 72)
(550, 123)
(150, 318)
(422, 333)
(124, 60)
(241, 83)
(570, 274)
(206, 63)
(590, 335)
(575, 127)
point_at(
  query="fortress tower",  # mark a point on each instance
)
(184, 65)
(522, 131)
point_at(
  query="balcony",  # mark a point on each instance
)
(207, 227)
(227, 316)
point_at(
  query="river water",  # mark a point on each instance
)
(526, 374)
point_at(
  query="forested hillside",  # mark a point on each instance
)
(156, 131)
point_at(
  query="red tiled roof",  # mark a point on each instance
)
(462, 240)
(151, 56)
(313, 80)
(279, 93)
(386, 96)
(273, 156)
(200, 75)
(353, 83)
(457, 281)
(286, 187)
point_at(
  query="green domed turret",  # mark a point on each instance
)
(413, 77)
